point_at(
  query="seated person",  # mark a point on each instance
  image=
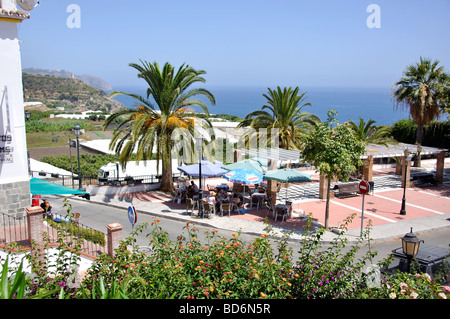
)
(45, 205)
(238, 200)
(192, 189)
(220, 198)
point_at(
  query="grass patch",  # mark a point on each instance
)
(46, 139)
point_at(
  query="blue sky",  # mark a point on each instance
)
(240, 43)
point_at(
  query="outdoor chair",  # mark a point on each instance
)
(190, 205)
(269, 205)
(225, 207)
(282, 212)
(256, 200)
(208, 209)
(174, 196)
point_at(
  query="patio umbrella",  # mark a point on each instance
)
(208, 169)
(247, 164)
(244, 176)
(41, 187)
(287, 175)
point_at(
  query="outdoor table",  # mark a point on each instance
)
(262, 195)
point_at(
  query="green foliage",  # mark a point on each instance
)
(44, 126)
(405, 131)
(15, 285)
(222, 268)
(423, 91)
(334, 151)
(152, 124)
(67, 92)
(435, 134)
(90, 163)
(370, 133)
(281, 116)
(12, 288)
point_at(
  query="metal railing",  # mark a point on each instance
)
(13, 230)
(81, 237)
(66, 180)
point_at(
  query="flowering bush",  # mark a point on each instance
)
(411, 286)
(223, 268)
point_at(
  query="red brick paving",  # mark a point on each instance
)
(384, 207)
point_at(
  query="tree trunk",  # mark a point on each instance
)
(327, 209)
(166, 178)
(419, 134)
(419, 137)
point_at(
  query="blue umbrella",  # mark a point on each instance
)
(244, 176)
(208, 169)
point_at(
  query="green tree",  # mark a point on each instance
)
(284, 113)
(424, 92)
(334, 150)
(370, 133)
(152, 124)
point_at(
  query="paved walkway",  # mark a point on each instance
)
(427, 208)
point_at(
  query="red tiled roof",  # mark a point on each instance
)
(17, 14)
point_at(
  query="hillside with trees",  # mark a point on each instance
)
(69, 93)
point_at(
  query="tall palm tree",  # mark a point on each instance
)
(370, 133)
(152, 124)
(284, 113)
(420, 92)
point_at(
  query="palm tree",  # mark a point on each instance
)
(284, 113)
(151, 125)
(420, 92)
(370, 133)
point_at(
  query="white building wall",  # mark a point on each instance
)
(14, 178)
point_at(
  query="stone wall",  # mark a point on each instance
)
(14, 197)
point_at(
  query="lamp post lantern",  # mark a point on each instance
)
(77, 132)
(410, 246)
(200, 191)
(408, 157)
(27, 115)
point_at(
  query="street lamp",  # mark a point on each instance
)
(200, 191)
(410, 246)
(70, 154)
(77, 132)
(408, 157)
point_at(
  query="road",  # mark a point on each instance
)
(97, 216)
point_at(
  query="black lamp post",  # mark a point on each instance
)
(77, 132)
(200, 191)
(410, 246)
(408, 157)
(27, 115)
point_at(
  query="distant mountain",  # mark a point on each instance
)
(71, 93)
(91, 80)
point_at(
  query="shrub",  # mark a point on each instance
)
(222, 268)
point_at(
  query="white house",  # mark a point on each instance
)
(14, 178)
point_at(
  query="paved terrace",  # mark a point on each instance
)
(427, 208)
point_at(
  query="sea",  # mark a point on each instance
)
(350, 103)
